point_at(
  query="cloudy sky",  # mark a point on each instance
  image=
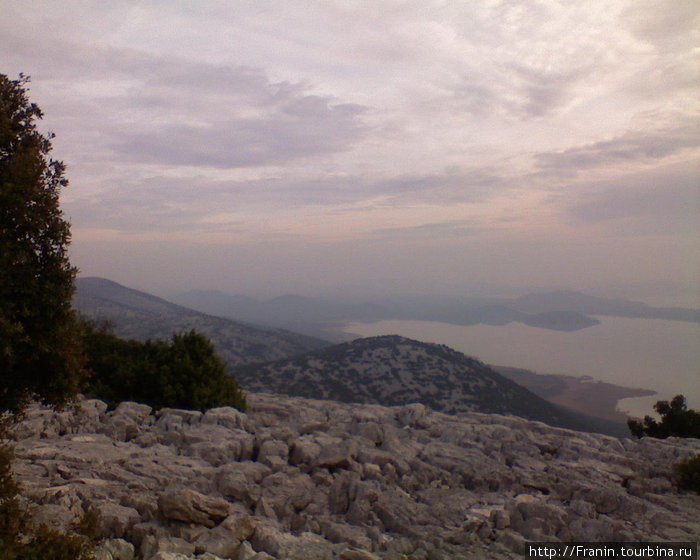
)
(418, 146)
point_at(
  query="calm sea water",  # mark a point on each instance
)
(663, 356)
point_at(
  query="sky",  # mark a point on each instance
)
(386, 146)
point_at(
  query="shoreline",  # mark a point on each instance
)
(582, 394)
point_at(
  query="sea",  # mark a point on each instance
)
(654, 354)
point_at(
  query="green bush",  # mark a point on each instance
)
(183, 373)
(676, 421)
(688, 474)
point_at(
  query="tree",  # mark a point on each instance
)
(183, 373)
(39, 337)
(676, 420)
(40, 351)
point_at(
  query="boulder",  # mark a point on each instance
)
(228, 417)
(274, 454)
(305, 451)
(225, 539)
(135, 411)
(151, 547)
(115, 520)
(183, 504)
(338, 455)
(241, 481)
(115, 549)
(415, 415)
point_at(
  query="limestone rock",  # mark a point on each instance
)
(115, 520)
(115, 549)
(338, 454)
(296, 478)
(183, 504)
(151, 546)
(228, 417)
(274, 454)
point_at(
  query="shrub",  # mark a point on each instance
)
(688, 474)
(676, 420)
(183, 373)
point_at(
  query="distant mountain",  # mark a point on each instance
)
(576, 302)
(392, 370)
(321, 317)
(138, 315)
(313, 316)
(558, 310)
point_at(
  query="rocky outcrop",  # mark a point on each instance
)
(306, 479)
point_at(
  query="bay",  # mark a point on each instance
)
(663, 356)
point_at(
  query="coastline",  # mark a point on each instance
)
(581, 394)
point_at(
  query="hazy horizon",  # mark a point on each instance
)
(654, 295)
(421, 147)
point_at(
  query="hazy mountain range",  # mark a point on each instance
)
(559, 310)
(138, 315)
(384, 370)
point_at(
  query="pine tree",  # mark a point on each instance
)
(39, 342)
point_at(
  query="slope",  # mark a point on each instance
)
(138, 315)
(392, 370)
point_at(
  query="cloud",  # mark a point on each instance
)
(671, 26)
(381, 125)
(294, 129)
(631, 147)
(433, 230)
(662, 200)
(165, 110)
(161, 203)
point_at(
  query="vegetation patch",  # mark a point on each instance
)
(676, 421)
(688, 474)
(182, 373)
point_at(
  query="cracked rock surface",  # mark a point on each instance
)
(304, 479)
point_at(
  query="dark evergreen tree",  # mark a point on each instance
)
(40, 351)
(676, 420)
(39, 338)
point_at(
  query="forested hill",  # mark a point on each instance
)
(139, 315)
(392, 370)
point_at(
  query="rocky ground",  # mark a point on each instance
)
(310, 480)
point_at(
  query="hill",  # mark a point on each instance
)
(139, 315)
(392, 370)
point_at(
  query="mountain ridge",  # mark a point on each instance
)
(139, 315)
